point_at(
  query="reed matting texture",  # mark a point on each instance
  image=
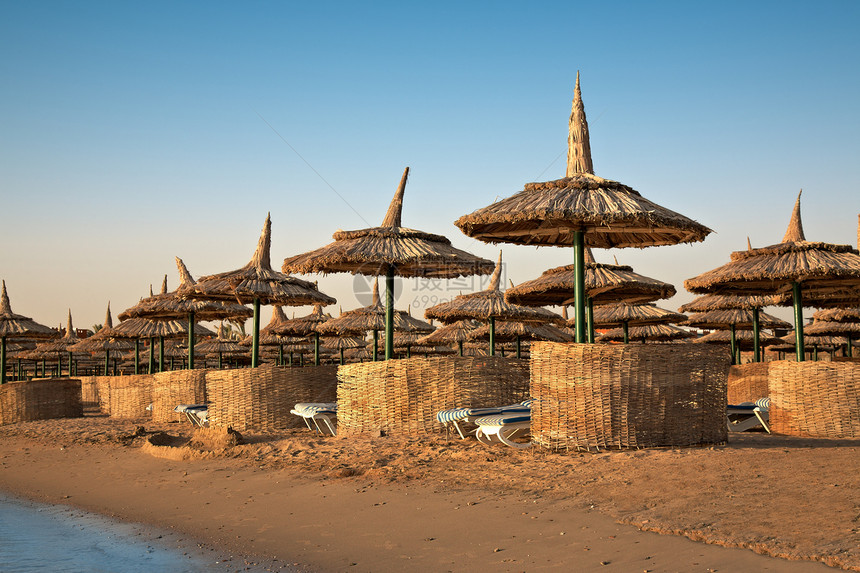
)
(817, 399)
(40, 400)
(748, 382)
(402, 397)
(128, 396)
(260, 399)
(591, 397)
(175, 387)
(89, 391)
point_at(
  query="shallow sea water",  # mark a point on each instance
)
(46, 538)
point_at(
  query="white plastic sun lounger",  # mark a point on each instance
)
(197, 414)
(504, 427)
(749, 415)
(457, 417)
(322, 414)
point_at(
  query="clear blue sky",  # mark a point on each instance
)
(134, 132)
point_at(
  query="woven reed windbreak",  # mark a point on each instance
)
(129, 395)
(176, 387)
(604, 396)
(40, 400)
(748, 382)
(403, 396)
(819, 399)
(89, 391)
(260, 399)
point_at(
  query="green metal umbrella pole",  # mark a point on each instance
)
(375, 345)
(389, 313)
(152, 355)
(460, 345)
(191, 340)
(316, 349)
(798, 321)
(756, 334)
(734, 343)
(136, 356)
(492, 336)
(589, 309)
(579, 285)
(255, 341)
(161, 354)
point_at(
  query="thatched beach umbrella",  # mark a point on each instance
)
(61, 346)
(735, 319)
(489, 305)
(305, 326)
(16, 327)
(816, 342)
(390, 250)
(171, 306)
(624, 315)
(106, 340)
(742, 339)
(836, 322)
(138, 328)
(753, 303)
(454, 333)
(648, 332)
(257, 283)
(580, 210)
(219, 347)
(810, 271)
(507, 331)
(341, 344)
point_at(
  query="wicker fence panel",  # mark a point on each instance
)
(89, 391)
(102, 384)
(260, 399)
(40, 400)
(748, 382)
(129, 395)
(176, 387)
(606, 396)
(820, 399)
(403, 396)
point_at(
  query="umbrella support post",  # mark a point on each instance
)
(519, 347)
(107, 362)
(734, 344)
(798, 321)
(460, 344)
(151, 355)
(301, 360)
(408, 352)
(136, 356)
(255, 341)
(291, 358)
(172, 365)
(589, 309)
(375, 344)
(341, 357)
(815, 353)
(44, 368)
(756, 333)
(492, 336)
(161, 354)
(280, 355)
(2, 360)
(389, 313)
(847, 352)
(579, 284)
(191, 341)
(625, 328)
(220, 360)
(60, 365)
(316, 349)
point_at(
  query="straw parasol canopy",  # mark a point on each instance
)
(711, 302)
(518, 332)
(454, 333)
(810, 271)
(604, 284)
(489, 305)
(305, 326)
(789, 342)
(390, 250)
(648, 332)
(835, 322)
(15, 327)
(741, 319)
(580, 210)
(624, 315)
(60, 346)
(743, 339)
(257, 283)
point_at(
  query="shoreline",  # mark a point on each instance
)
(331, 515)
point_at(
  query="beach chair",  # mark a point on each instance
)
(320, 413)
(504, 427)
(197, 414)
(456, 418)
(748, 415)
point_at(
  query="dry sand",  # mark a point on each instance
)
(763, 503)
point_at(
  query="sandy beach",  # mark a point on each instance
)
(766, 503)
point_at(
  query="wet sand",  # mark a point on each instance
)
(765, 503)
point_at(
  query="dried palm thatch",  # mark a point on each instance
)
(743, 339)
(61, 344)
(741, 319)
(146, 328)
(510, 330)
(832, 328)
(278, 319)
(455, 332)
(838, 315)
(257, 283)
(372, 318)
(17, 326)
(648, 332)
(610, 315)
(489, 304)
(169, 305)
(789, 342)
(609, 213)
(220, 346)
(710, 302)
(304, 325)
(375, 250)
(344, 342)
(604, 284)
